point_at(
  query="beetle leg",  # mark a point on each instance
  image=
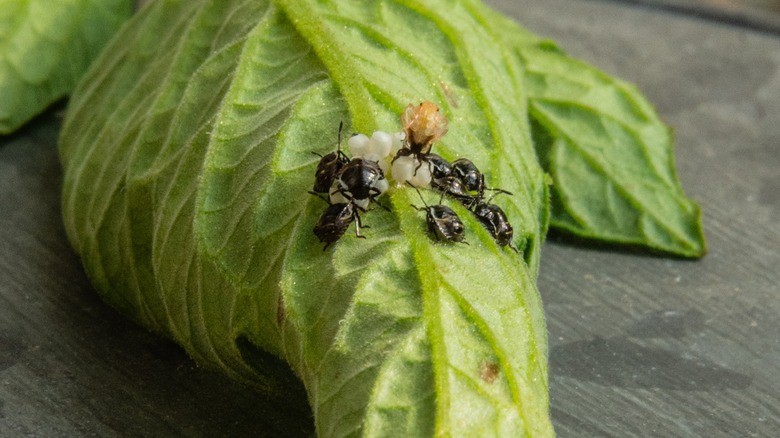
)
(374, 197)
(403, 152)
(358, 224)
(384, 207)
(319, 195)
(420, 161)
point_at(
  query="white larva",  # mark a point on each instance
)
(335, 196)
(361, 203)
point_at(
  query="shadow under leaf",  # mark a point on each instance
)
(624, 363)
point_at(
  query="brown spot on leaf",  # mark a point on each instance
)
(488, 372)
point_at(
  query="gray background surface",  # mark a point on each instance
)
(644, 346)
(639, 345)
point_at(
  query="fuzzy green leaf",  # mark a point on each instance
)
(45, 47)
(187, 157)
(610, 156)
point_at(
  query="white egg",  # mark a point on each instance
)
(382, 185)
(397, 143)
(358, 145)
(380, 143)
(379, 159)
(423, 176)
(403, 169)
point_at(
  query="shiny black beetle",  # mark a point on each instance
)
(444, 181)
(473, 180)
(453, 187)
(335, 220)
(360, 182)
(439, 167)
(466, 184)
(493, 218)
(442, 221)
(329, 167)
(460, 179)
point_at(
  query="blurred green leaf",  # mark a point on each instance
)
(45, 47)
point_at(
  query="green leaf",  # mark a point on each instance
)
(610, 156)
(187, 157)
(45, 47)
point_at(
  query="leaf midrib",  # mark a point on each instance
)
(357, 96)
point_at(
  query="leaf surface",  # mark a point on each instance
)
(45, 47)
(610, 156)
(187, 156)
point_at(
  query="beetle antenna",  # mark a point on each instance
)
(418, 193)
(442, 196)
(339, 152)
(497, 192)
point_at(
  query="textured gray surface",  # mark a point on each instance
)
(759, 15)
(644, 346)
(640, 346)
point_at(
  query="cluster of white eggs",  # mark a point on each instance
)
(383, 147)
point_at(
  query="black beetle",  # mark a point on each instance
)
(460, 180)
(473, 180)
(440, 168)
(442, 221)
(493, 218)
(329, 167)
(443, 180)
(453, 187)
(359, 182)
(335, 220)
